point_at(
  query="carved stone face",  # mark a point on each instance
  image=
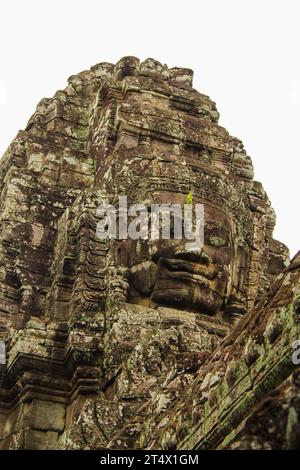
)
(170, 273)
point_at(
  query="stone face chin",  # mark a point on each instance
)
(124, 343)
(199, 298)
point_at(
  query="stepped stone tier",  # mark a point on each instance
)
(138, 343)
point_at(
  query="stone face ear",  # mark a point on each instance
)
(278, 259)
(143, 276)
(235, 304)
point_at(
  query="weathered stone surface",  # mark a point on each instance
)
(134, 343)
(216, 417)
(45, 415)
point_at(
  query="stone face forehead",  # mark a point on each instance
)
(164, 180)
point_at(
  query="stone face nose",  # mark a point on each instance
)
(192, 253)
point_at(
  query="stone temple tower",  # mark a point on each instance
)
(122, 343)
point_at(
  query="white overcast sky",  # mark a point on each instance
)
(245, 55)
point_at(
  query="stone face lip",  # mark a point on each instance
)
(129, 343)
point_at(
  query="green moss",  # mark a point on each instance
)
(84, 355)
(189, 198)
(81, 132)
(216, 241)
(138, 247)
